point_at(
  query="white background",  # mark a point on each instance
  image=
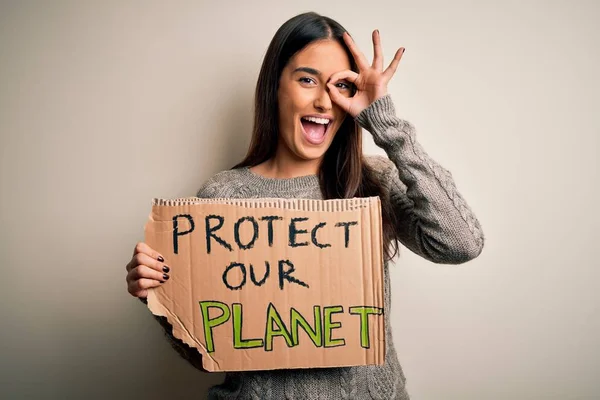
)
(106, 104)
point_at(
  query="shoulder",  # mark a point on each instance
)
(222, 184)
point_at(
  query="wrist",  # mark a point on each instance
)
(377, 114)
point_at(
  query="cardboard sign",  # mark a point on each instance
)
(259, 284)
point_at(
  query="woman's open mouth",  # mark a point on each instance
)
(315, 129)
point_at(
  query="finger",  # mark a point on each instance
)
(377, 52)
(140, 287)
(144, 259)
(145, 272)
(389, 72)
(345, 74)
(130, 265)
(338, 95)
(359, 57)
(348, 75)
(142, 247)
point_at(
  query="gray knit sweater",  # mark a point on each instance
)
(435, 223)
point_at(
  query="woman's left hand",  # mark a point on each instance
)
(370, 82)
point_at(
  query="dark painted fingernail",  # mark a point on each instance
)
(166, 269)
(161, 259)
(162, 281)
(377, 31)
(165, 277)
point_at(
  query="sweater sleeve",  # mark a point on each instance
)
(432, 218)
(192, 355)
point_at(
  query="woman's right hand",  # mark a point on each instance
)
(145, 270)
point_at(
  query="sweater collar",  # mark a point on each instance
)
(280, 184)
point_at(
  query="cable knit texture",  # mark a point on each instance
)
(434, 221)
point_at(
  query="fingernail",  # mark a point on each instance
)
(161, 259)
(377, 30)
(165, 277)
(162, 281)
(166, 269)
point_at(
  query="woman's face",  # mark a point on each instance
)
(303, 93)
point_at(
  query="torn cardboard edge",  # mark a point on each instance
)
(336, 320)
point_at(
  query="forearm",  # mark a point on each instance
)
(434, 220)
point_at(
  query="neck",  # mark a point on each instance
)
(284, 166)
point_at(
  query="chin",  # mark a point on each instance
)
(310, 155)
(307, 151)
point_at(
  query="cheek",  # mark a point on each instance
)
(292, 104)
(300, 99)
(287, 112)
(287, 107)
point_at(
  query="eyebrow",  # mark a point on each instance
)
(308, 70)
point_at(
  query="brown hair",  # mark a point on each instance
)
(343, 172)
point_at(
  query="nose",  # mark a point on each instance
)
(322, 100)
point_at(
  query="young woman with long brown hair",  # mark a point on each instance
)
(315, 92)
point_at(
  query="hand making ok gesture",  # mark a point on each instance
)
(370, 82)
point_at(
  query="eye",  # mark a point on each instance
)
(304, 79)
(344, 86)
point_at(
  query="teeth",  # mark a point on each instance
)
(323, 121)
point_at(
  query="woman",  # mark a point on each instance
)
(325, 91)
